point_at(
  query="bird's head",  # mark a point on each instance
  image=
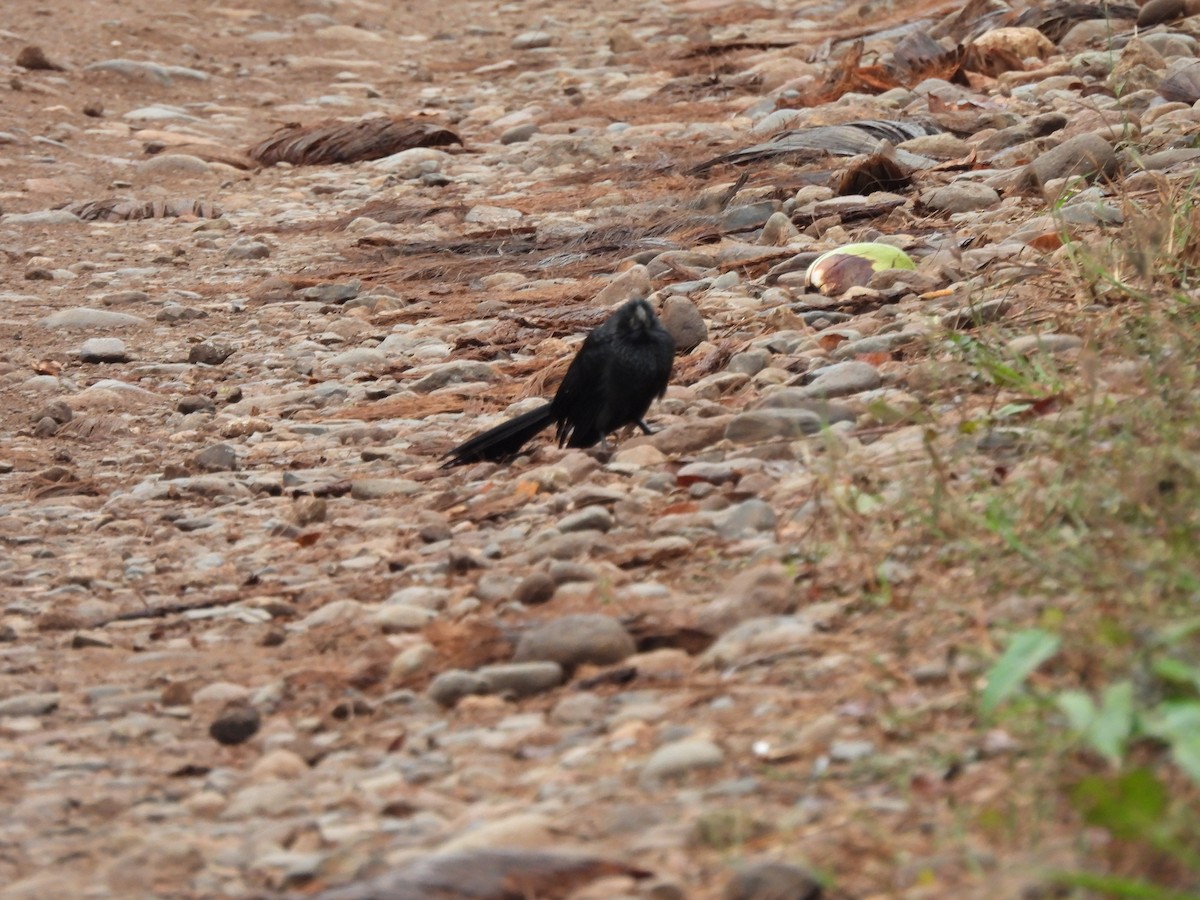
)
(639, 315)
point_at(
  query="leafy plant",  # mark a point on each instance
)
(1026, 651)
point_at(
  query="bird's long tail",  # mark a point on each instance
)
(503, 441)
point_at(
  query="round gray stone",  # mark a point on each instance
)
(209, 353)
(772, 881)
(680, 757)
(519, 134)
(81, 318)
(103, 350)
(571, 641)
(244, 248)
(522, 679)
(764, 424)
(963, 196)
(235, 725)
(590, 518)
(843, 379)
(532, 40)
(451, 686)
(217, 458)
(745, 519)
(535, 589)
(683, 322)
(1084, 154)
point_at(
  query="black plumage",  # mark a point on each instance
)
(623, 365)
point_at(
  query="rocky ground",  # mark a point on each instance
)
(255, 642)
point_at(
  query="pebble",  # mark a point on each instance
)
(778, 230)
(519, 134)
(590, 518)
(842, 380)
(210, 353)
(379, 488)
(763, 634)
(57, 411)
(850, 751)
(574, 640)
(981, 314)
(535, 589)
(761, 425)
(751, 215)
(40, 217)
(1154, 12)
(278, 765)
(414, 163)
(492, 216)
(769, 880)
(84, 319)
(961, 197)
(575, 645)
(33, 57)
(139, 69)
(1085, 154)
(235, 725)
(175, 313)
(449, 687)
(245, 248)
(30, 704)
(459, 372)
(175, 165)
(798, 398)
(622, 40)
(103, 350)
(1046, 343)
(195, 403)
(532, 40)
(217, 458)
(220, 692)
(578, 709)
(522, 679)
(396, 618)
(763, 590)
(633, 282)
(745, 519)
(680, 758)
(684, 323)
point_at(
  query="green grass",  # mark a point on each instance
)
(1088, 512)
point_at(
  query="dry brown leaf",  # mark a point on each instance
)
(877, 172)
(874, 359)
(993, 62)
(332, 141)
(1047, 242)
(123, 209)
(58, 480)
(918, 56)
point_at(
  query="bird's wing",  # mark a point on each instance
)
(577, 403)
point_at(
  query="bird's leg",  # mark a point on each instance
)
(646, 429)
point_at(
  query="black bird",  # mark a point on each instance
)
(622, 366)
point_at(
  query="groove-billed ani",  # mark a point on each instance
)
(622, 366)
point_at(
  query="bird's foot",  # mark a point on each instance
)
(601, 451)
(646, 429)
